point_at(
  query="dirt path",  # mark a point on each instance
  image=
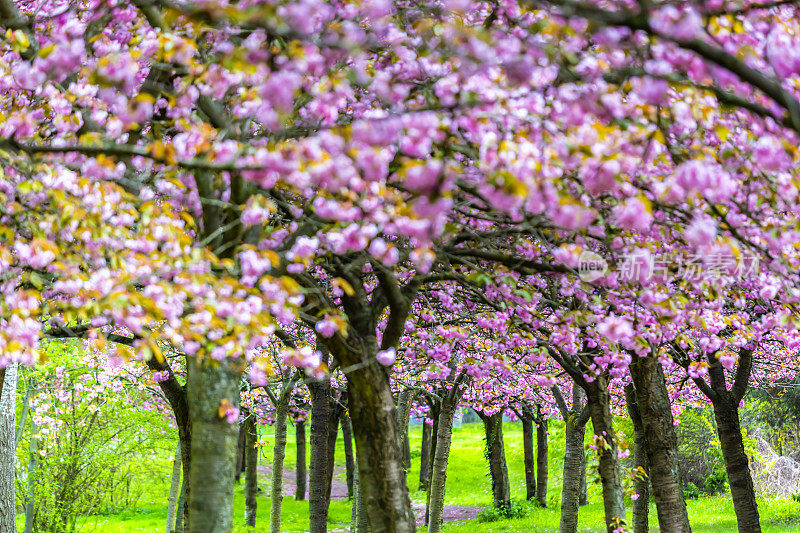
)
(339, 492)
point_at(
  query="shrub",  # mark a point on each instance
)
(691, 491)
(717, 480)
(514, 510)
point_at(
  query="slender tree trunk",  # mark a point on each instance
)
(652, 400)
(30, 503)
(240, 453)
(334, 413)
(641, 507)
(8, 400)
(250, 469)
(349, 460)
(541, 460)
(444, 435)
(435, 413)
(574, 473)
(213, 389)
(318, 468)
(300, 467)
(382, 478)
(528, 457)
(359, 515)
(737, 465)
(179, 520)
(278, 455)
(584, 487)
(174, 489)
(599, 401)
(404, 402)
(495, 451)
(354, 504)
(425, 457)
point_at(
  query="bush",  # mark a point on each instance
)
(781, 511)
(514, 510)
(717, 480)
(95, 439)
(691, 491)
(700, 462)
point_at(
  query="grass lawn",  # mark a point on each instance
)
(467, 484)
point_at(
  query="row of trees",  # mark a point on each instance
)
(507, 192)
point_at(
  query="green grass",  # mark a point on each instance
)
(467, 484)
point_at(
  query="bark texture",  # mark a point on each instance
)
(179, 520)
(435, 411)
(334, 414)
(737, 465)
(496, 454)
(575, 418)
(213, 389)
(349, 458)
(300, 467)
(441, 456)
(528, 456)
(240, 453)
(425, 457)
(278, 455)
(381, 476)
(541, 458)
(250, 470)
(174, 490)
(655, 410)
(8, 399)
(404, 402)
(318, 464)
(641, 507)
(599, 402)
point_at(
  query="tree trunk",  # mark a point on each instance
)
(599, 401)
(404, 402)
(349, 460)
(354, 504)
(584, 487)
(278, 455)
(382, 478)
(541, 460)
(8, 400)
(359, 515)
(737, 465)
(179, 520)
(574, 473)
(185, 439)
(425, 457)
(652, 400)
(213, 390)
(441, 456)
(240, 453)
(641, 507)
(250, 469)
(435, 411)
(495, 452)
(527, 449)
(300, 467)
(334, 413)
(174, 489)
(318, 467)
